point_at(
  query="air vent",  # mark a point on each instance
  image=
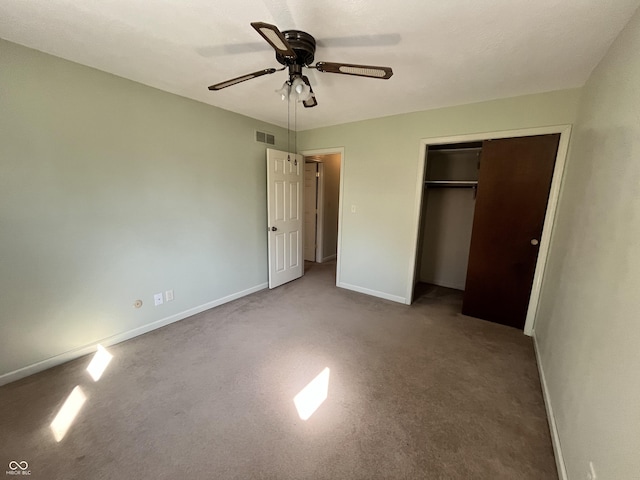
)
(264, 137)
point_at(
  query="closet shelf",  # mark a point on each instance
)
(454, 150)
(451, 183)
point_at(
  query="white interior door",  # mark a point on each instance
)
(310, 210)
(284, 216)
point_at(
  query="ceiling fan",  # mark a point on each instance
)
(296, 49)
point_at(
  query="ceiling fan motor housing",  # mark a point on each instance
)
(303, 44)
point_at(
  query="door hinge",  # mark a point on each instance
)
(318, 174)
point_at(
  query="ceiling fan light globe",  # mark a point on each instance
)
(305, 94)
(297, 84)
(302, 89)
(284, 91)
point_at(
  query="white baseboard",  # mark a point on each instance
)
(329, 258)
(553, 427)
(374, 293)
(121, 337)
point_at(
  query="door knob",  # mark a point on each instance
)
(273, 229)
(534, 242)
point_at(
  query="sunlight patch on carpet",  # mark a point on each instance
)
(99, 363)
(313, 395)
(67, 413)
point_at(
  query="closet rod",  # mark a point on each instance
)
(460, 149)
(452, 183)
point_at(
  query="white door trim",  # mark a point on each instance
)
(549, 220)
(327, 151)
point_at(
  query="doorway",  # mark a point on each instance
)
(448, 204)
(326, 165)
(311, 174)
(460, 200)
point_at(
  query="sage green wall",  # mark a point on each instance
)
(588, 328)
(111, 191)
(380, 169)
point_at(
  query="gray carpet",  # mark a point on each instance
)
(414, 392)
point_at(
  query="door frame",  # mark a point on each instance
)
(320, 251)
(550, 215)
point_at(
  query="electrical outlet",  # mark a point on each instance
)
(354, 209)
(157, 299)
(168, 295)
(592, 472)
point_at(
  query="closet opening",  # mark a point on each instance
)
(448, 204)
(484, 207)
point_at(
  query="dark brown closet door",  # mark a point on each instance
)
(513, 189)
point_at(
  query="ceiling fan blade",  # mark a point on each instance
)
(275, 38)
(243, 78)
(358, 70)
(311, 101)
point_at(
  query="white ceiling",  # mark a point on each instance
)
(443, 53)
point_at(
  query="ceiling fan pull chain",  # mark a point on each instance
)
(288, 128)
